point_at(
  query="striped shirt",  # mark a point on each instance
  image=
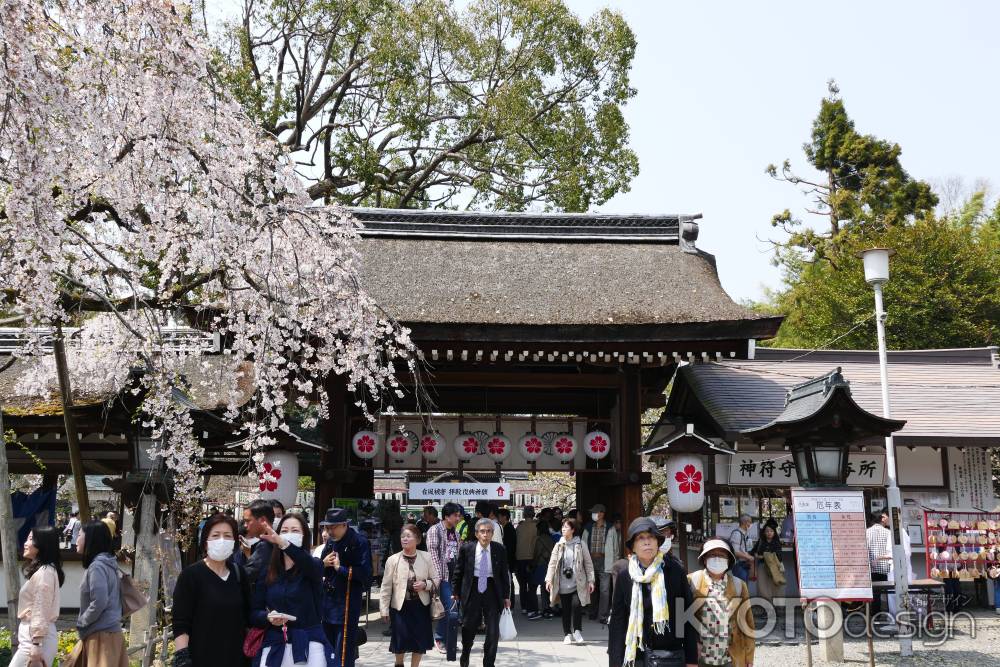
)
(879, 540)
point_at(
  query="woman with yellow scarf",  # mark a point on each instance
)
(648, 596)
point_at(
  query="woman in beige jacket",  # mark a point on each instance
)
(38, 601)
(570, 580)
(722, 605)
(408, 582)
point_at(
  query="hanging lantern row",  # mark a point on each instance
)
(498, 447)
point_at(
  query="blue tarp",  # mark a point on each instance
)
(37, 508)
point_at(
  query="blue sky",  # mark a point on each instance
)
(725, 88)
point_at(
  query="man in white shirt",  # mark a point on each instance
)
(487, 510)
(481, 583)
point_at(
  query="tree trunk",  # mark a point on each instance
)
(147, 570)
(72, 439)
(8, 539)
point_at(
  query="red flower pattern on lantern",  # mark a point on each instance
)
(598, 444)
(496, 446)
(366, 444)
(399, 445)
(428, 444)
(564, 445)
(269, 477)
(689, 479)
(471, 445)
(533, 445)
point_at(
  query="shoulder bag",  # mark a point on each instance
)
(132, 598)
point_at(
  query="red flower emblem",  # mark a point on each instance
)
(269, 477)
(400, 444)
(496, 446)
(533, 446)
(471, 445)
(365, 444)
(598, 444)
(564, 445)
(429, 444)
(689, 479)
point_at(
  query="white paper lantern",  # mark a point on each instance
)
(686, 482)
(365, 445)
(596, 445)
(432, 446)
(279, 477)
(530, 446)
(466, 446)
(564, 447)
(498, 447)
(399, 446)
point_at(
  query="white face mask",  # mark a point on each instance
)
(293, 538)
(717, 564)
(274, 524)
(667, 543)
(595, 516)
(220, 549)
(250, 541)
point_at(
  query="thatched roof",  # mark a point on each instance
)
(431, 267)
(207, 377)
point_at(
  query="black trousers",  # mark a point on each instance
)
(529, 599)
(877, 599)
(481, 606)
(572, 612)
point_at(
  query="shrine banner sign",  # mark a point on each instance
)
(778, 469)
(830, 544)
(459, 491)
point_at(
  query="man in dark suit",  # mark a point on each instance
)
(481, 582)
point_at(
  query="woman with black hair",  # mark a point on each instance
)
(38, 601)
(211, 600)
(99, 624)
(287, 599)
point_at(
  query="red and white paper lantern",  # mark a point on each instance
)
(596, 445)
(530, 446)
(686, 482)
(399, 446)
(466, 446)
(365, 445)
(432, 446)
(564, 447)
(279, 477)
(498, 447)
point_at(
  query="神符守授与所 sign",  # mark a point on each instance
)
(830, 544)
(778, 469)
(458, 491)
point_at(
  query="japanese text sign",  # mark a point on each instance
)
(459, 491)
(831, 544)
(778, 469)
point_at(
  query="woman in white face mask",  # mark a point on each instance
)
(211, 598)
(287, 599)
(722, 607)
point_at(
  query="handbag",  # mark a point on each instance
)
(131, 597)
(252, 642)
(437, 607)
(664, 658)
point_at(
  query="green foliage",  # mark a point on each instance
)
(864, 192)
(944, 289)
(416, 103)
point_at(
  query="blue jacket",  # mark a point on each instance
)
(100, 598)
(356, 566)
(298, 592)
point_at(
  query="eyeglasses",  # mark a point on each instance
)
(485, 531)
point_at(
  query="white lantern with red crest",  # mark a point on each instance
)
(686, 482)
(596, 445)
(466, 446)
(498, 447)
(432, 446)
(365, 445)
(400, 445)
(531, 445)
(279, 476)
(564, 447)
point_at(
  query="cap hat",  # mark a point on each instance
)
(334, 516)
(598, 508)
(712, 545)
(642, 525)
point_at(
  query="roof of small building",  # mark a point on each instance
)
(942, 403)
(207, 377)
(541, 269)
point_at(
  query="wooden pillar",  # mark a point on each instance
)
(630, 415)
(147, 569)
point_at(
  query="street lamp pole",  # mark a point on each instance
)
(876, 263)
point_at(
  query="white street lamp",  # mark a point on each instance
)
(877, 274)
